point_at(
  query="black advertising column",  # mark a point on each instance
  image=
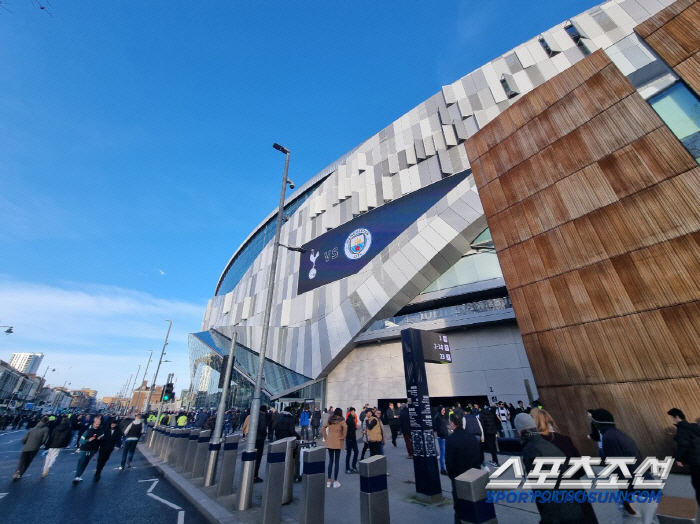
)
(420, 347)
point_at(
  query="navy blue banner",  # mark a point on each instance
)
(347, 249)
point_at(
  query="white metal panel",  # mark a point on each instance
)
(563, 40)
(561, 62)
(536, 50)
(411, 155)
(618, 15)
(449, 134)
(393, 164)
(587, 26)
(524, 55)
(414, 178)
(449, 95)
(523, 82)
(494, 82)
(405, 181)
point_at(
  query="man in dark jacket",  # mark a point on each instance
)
(688, 452)
(112, 438)
(315, 423)
(351, 441)
(535, 446)
(273, 417)
(392, 417)
(491, 426)
(89, 444)
(260, 442)
(60, 438)
(619, 444)
(462, 453)
(32, 441)
(285, 425)
(405, 422)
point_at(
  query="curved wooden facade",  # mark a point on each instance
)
(594, 208)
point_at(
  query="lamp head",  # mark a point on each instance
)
(280, 148)
(291, 184)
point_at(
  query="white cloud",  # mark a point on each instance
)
(96, 336)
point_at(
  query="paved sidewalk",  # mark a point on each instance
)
(342, 504)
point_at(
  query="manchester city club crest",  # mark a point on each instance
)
(358, 243)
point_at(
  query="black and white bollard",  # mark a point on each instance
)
(313, 486)
(191, 451)
(274, 482)
(470, 498)
(182, 445)
(200, 458)
(228, 465)
(374, 495)
(176, 438)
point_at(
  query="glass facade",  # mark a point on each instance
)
(450, 312)
(679, 108)
(255, 245)
(207, 349)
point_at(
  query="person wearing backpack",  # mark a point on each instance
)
(688, 452)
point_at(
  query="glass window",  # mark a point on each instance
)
(578, 39)
(547, 49)
(679, 108)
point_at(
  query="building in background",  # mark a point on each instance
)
(542, 211)
(26, 362)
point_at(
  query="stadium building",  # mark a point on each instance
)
(543, 211)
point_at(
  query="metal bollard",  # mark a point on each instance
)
(149, 439)
(374, 495)
(289, 469)
(313, 486)
(182, 448)
(166, 442)
(162, 440)
(274, 482)
(191, 451)
(245, 488)
(159, 440)
(167, 446)
(200, 458)
(212, 462)
(175, 438)
(228, 465)
(469, 491)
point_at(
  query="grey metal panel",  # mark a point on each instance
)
(535, 75)
(479, 80)
(475, 102)
(469, 85)
(574, 54)
(324, 343)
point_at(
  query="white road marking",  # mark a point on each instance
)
(164, 501)
(3, 494)
(180, 517)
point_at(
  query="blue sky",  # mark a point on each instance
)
(135, 147)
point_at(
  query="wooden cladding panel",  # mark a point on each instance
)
(639, 408)
(594, 209)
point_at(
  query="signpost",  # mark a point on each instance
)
(420, 347)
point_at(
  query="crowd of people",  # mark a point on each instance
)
(464, 436)
(89, 435)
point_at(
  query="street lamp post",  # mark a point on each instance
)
(155, 377)
(150, 356)
(246, 489)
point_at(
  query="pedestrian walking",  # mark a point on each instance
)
(32, 441)
(89, 444)
(440, 426)
(316, 423)
(618, 444)
(406, 429)
(548, 430)
(60, 438)
(462, 453)
(334, 432)
(260, 442)
(304, 420)
(392, 416)
(535, 446)
(688, 447)
(491, 426)
(351, 442)
(132, 433)
(375, 432)
(112, 438)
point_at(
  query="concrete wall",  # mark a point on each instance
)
(488, 360)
